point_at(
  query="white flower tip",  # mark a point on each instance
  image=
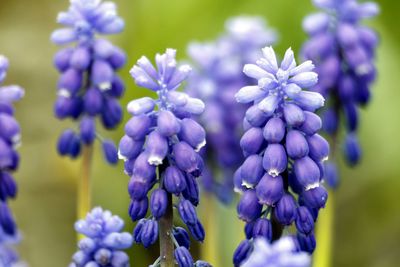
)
(200, 146)
(247, 185)
(312, 186)
(155, 160)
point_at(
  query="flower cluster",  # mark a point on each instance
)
(343, 52)
(283, 168)
(161, 147)
(9, 161)
(103, 242)
(282, 253)
(216, 80)
(88, 86)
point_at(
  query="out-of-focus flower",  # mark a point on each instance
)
(88, 86)
(281, 253)
(103, 242)
(343, 51)
(284, 152)
(216, 79)
(160, 147)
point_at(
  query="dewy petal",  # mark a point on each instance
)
(305, 79)
(288, 61)
(310, 100)
(249, 94)
(63, 36)
(269, 104)
(254, 71)
(11, 93)
(303, 67)
(270, 58)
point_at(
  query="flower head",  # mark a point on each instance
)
(88, 86)
(103, 242)
(343, 51)
(284, 152)
(216, 78)
(281, 253)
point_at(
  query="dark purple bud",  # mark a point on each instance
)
(346, 88)
(181, 236)
(63, 145)
(294, 115)
(74, 146)
(197, 231)
(191, 191)
(248, 207)
(117, 58)
(142, 168)
(138, 127)
(62, 59)
(138, 230)
(6, 219)
(294, 183)
(156, 147)
(185, 157)
(304, 220)
(274, 130)
(252, 171)
(255, 116)
(307, 172)
(262, 228)
(149, 233)
(183, 257)
(296, 144)
(80, 58)
(138, 187)
(87, 127)
(252, 140)
(111, 114)
(285, 211)
(315, 197)
(129, 148)
(307, 242)
(6, 108)
(187, 212)
(15, 161)
(351, 115)
(8, 186)
(93, 101)
(330, 121)
(248, 230)
(331, 174)
(192, 133)
(174, 180)
(70, 82)
(312, 123)
(158, 203)
(117, 87)
(242, 252)
(275, 159)
(168, 124)
(363, 93)
(102, 74)
(237, 181)
(319, 147)
(138, 208)
(128, 166)
(66, 106)
(270, 190)
(352, 149)
(110, 152)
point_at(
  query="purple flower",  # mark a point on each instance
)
(88, 84)
(216, 79)
(160, 149)
(289, 156)
(10, 139)
(343, 51)
(103, 242)
(281, 253)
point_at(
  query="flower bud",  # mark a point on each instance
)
(8, 186)
(255, 116)
(242, 252)
(275, 159)
(274, 130)
(270, 190)
(138, 187)
(138, 208)
(111, 113)
(352, 149)
(129, 148)
(307, 172)
(197, 231)
(181, 236)
(117, 240)
(138, 127)
(248, 207)
(307, 242)
(119, 258)
(187, 212)
(6, 219)
(102, 74)
(167, 123)
(262, 228)
(296, 144)
(315, 197)
(174, 180)
(248, 230)
(138, 230)
(142, 168)
(252, 140)
(141, 106)
(158, 203)
(293, 114)
(70, 82)
(156, 147)
(93, 101)
(185, 157)
(62, 59)
(285, 210)
(252, 171)
(191, 191)
(117, 58)
(183, 257)
(10, 129)
(110, 152)
(149, 233)
(192, 133)
(304, 220)
(319, 147)
(87, 128)
(80, 58)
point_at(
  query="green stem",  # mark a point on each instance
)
(166, 242)
(324, 235)
(209, 250)
(84, 183)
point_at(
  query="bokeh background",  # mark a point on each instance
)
(367, 212)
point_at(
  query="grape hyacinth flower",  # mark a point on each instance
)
(160, 149)
(280, 179)
(281, 253)
(103, 242)
(216, 79)
(10, 138)
(88, 87)
(343, 51)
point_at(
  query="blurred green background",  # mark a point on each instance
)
(367, 213)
